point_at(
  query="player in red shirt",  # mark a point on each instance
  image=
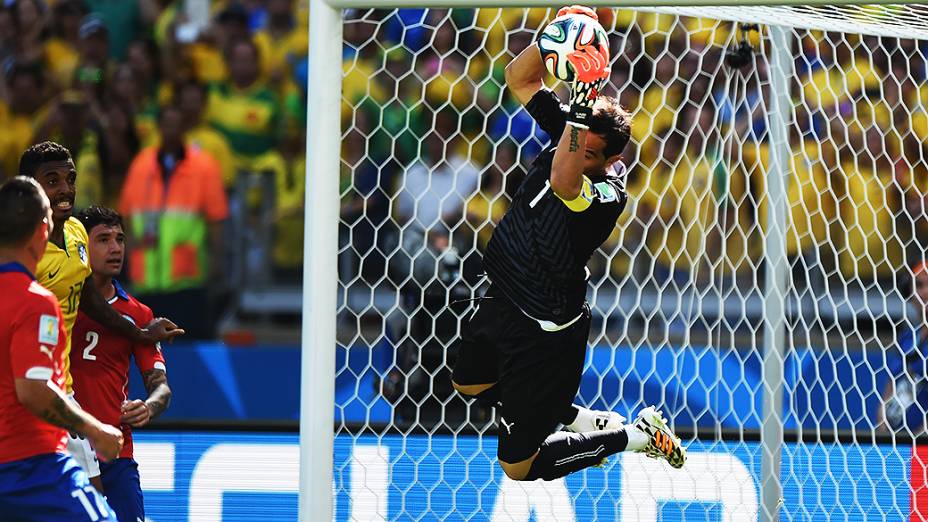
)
(65, 271)
(100, 362)
(38, 480)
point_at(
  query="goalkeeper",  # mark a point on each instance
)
(523, 348)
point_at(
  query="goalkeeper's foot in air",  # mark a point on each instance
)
(662, 443)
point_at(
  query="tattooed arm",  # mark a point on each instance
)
(159, 394)
(137, 413)
(567, 165)
(49, 403)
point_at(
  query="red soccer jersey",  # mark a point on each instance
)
(32, 340)
(100, 363)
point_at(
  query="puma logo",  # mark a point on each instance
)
(507, 425)
(47, 351)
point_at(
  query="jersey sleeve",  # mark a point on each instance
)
(80, 231)
(82, 237)
(546, 110)
(148, 356)
(609, 192)
(34, 340)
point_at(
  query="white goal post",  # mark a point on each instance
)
(320, 273)
(321, 295)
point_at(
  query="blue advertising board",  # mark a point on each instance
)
(694, 385)
(253, 476)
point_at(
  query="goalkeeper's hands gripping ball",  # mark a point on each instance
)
(591, 67)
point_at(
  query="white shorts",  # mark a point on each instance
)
(83, 452)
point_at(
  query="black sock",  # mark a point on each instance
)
(563, 453)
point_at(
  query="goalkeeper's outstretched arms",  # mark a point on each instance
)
(525, 74)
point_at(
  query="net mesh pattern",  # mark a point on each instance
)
(433, 147)
(890, 20)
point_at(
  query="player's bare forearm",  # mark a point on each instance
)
(567, 164)
(61, 413)
(94, 305)
(48, 403)
(525, 74)
(159, 393)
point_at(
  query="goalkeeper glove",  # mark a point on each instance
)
(577, 9)
(591, 71)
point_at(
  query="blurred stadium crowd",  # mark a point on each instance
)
(168, 108)
(433, 146)
(429, 123)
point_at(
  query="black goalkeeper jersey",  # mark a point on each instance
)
(537, 255)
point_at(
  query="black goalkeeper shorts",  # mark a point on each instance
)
(538, 372)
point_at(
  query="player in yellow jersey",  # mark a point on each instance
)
(65, 270)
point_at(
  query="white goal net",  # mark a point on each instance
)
(432, 148)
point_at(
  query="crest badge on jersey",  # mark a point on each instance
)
(82, 252)
(606, 192)
(48, 330)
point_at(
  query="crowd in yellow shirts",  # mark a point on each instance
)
(95, 75)
(423, 95)
(701, 145)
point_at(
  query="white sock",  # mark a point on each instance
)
(637, 439)
(583, 421)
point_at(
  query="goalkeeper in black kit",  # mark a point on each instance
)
(523, 348)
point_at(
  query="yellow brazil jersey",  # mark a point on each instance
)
(830, 85)
(248, 118)
(17, 136)
(62, 59)
(809, 193)
(683, 198)
(215, 144)
(277, 53)
(289, 182)
(872, 246)
(63, 272)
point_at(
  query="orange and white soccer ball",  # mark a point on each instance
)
(564, 35)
